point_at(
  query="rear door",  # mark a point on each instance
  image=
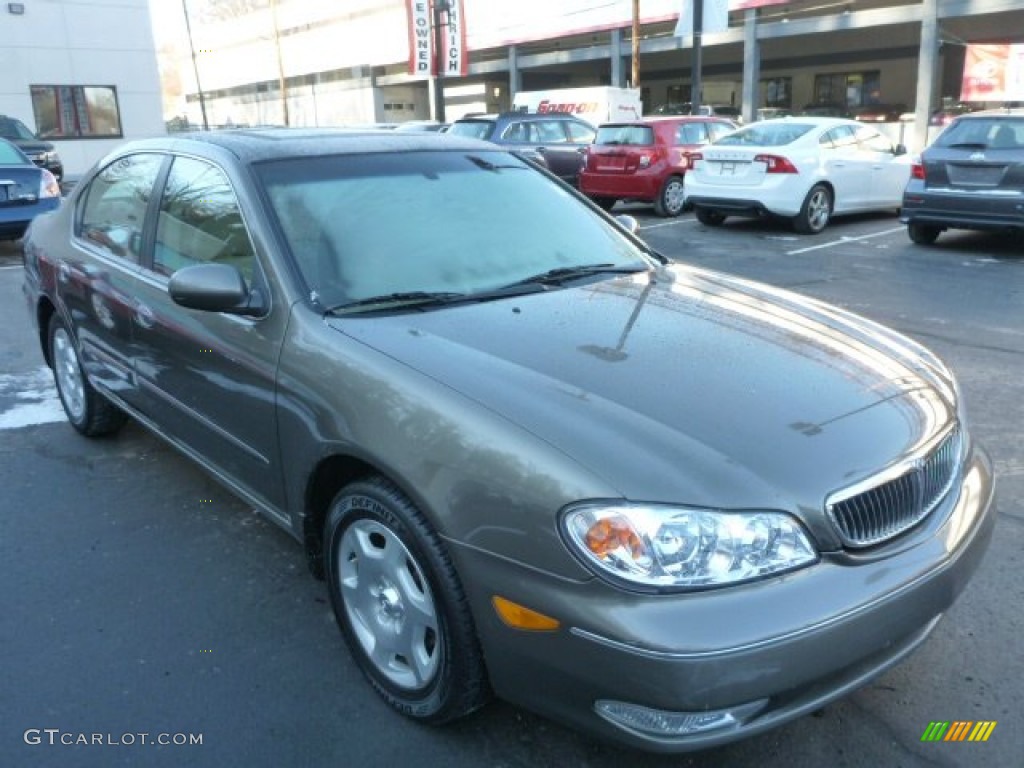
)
(98, 274)
(889, 171)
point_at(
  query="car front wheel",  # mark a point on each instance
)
(815, 212)
(400, 605)
(670, 200)
(923, 234)
(87, 410)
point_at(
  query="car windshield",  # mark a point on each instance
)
(438, 223)
(15, 129)
(11, 155)
(624, 135)
(473, 129)
(766, 134)
(984, 133)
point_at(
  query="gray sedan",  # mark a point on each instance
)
(529, 457)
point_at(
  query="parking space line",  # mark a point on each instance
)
(842, 240)
(667, 224)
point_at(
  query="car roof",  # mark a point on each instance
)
(989, 113)
(254, 145)
(662, 119)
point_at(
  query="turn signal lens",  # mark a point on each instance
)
(521, 617)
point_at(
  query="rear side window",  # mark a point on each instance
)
(718, 130)
(113, 212)
(691, 133)
(625, 135)
(580, 133)
(200, 221)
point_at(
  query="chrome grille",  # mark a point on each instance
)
(890, 503)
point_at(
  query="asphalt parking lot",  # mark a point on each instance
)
(142, 598)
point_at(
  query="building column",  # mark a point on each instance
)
(751, 66)
(515, 76)
(616, 57)
(927, 72)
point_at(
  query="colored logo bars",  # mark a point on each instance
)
(959, 730)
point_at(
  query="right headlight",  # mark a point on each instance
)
(678, 548)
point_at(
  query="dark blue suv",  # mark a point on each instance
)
(559, 139)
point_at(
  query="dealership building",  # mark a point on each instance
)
(308, 63)
(80, 73)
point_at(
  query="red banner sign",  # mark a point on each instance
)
(451, 18)
(993, 73)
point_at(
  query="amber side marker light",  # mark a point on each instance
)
(521, 617)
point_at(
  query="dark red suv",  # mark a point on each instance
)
(646, 159)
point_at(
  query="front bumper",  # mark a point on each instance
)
(789, 644)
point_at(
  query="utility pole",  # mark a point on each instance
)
(195, 66)
(698, 33)
(281, 80)
(636, 44)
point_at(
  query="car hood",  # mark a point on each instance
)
(687, 386)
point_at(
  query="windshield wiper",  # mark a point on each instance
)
(397, 300)
(559, 275)
(968, 145)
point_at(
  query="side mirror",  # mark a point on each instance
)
(214, 288)
(899, 149)
(628, 223)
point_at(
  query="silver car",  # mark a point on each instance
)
(529, 457)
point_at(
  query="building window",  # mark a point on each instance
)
(778, 92)
(76, 111)
(851, 89)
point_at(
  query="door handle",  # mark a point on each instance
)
(144, 316)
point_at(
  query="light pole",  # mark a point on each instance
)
(698, 64)
(440, 6)
(195, 66)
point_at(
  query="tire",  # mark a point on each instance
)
(87, 410)
(605, 203)
(923, 234)
(709, 217)
(815, 212)
(400, 606)
(670, 201)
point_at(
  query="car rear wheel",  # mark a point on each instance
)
(709, 217)
(815, 212)
(605, 203)
(670, 200)
(400, 605)
(923, 234)
(87, 410)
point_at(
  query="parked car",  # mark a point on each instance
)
(39, 151)
(971, 177)
(708, 110)
(665, 505)
(880, 113)
(645, 160)
(26, 191)
(558, 139)
(945, 115)
(805, 169)
(825, 109)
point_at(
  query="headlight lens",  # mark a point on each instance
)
(681, 548)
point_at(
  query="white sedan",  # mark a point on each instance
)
(806, 169)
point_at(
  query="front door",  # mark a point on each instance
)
(209, 378)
